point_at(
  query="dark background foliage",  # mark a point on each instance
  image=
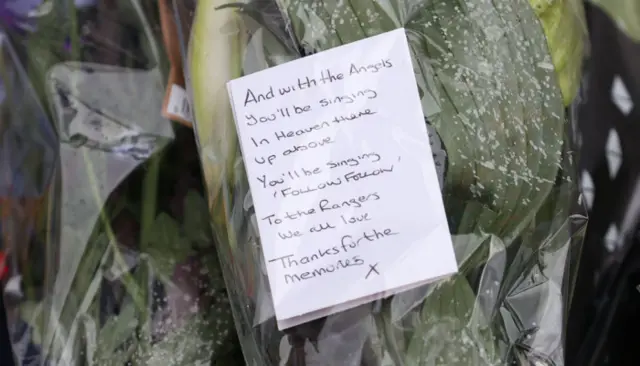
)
(604, 319)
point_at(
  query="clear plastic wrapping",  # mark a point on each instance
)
(495, 81)
(107, 252)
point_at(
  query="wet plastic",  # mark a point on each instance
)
(107, 254)
(496, 82)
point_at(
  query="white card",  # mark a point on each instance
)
(342, 177)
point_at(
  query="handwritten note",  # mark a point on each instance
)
(342, 177)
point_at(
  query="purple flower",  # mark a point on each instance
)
(15, 14)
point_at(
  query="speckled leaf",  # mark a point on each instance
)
(501, 112)
(451, 330)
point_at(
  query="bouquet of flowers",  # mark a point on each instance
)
(495, 79)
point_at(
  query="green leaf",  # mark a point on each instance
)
(87, 273)
(166, 231)
(31, 313)
(167, 246)
(116, 331)
(197, 225)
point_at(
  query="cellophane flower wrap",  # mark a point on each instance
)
(107, 254)
(496, 81)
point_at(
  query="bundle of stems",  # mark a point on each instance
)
(117, 266)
